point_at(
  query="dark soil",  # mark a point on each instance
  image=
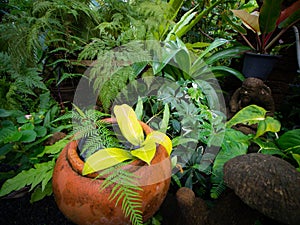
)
(19, 211)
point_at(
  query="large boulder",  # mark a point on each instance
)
(266, 183)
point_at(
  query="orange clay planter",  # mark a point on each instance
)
(79, 197)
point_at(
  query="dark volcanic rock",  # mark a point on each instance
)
(267, 184)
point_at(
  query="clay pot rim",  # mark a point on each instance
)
(77, 163)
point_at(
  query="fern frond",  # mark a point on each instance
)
(125, 189)
(217, 189)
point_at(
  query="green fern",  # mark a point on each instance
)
(41, 174)
(113, 75)
(125, 188)
(93, 133)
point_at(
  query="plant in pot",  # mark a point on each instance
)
(269, 23)
(116, 178)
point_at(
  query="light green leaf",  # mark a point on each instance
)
(162, 139)
(129, 124)
(181, 25)
(251, 114)
(139, 108)
(297, 158)
(105, 158)
(165, 121)
(146, 152)
(55, 148)
(269, 124)
(179, 140)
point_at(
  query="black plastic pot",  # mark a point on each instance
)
(259, 65)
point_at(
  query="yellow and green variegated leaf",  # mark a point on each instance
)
(129, 124)
(251, 114)
(146, 152)
(269, 124)
(162, 139)
(105, 158)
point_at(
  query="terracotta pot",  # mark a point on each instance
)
(80, 199)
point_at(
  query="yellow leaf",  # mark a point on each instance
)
(146, 152)
(129, 124)
(162, 139)
(105, 158)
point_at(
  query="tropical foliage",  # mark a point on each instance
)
(266, 22)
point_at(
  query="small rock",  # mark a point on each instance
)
(193, 209)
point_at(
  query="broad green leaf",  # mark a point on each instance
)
(160, 138)
(40, 131)
(183, 60)
(26, 126)
(129, 125)
(290, 140)
(249, 20)
(7, 113)
(269, 14)
(55, 148)
(268, 147)
(251, 114)
(28, 136)
(269, 124)
(8, 132)
(146, 152)
(105, 158)
(230, 148)
(33, 177)
(227, 70)
(170, 49)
